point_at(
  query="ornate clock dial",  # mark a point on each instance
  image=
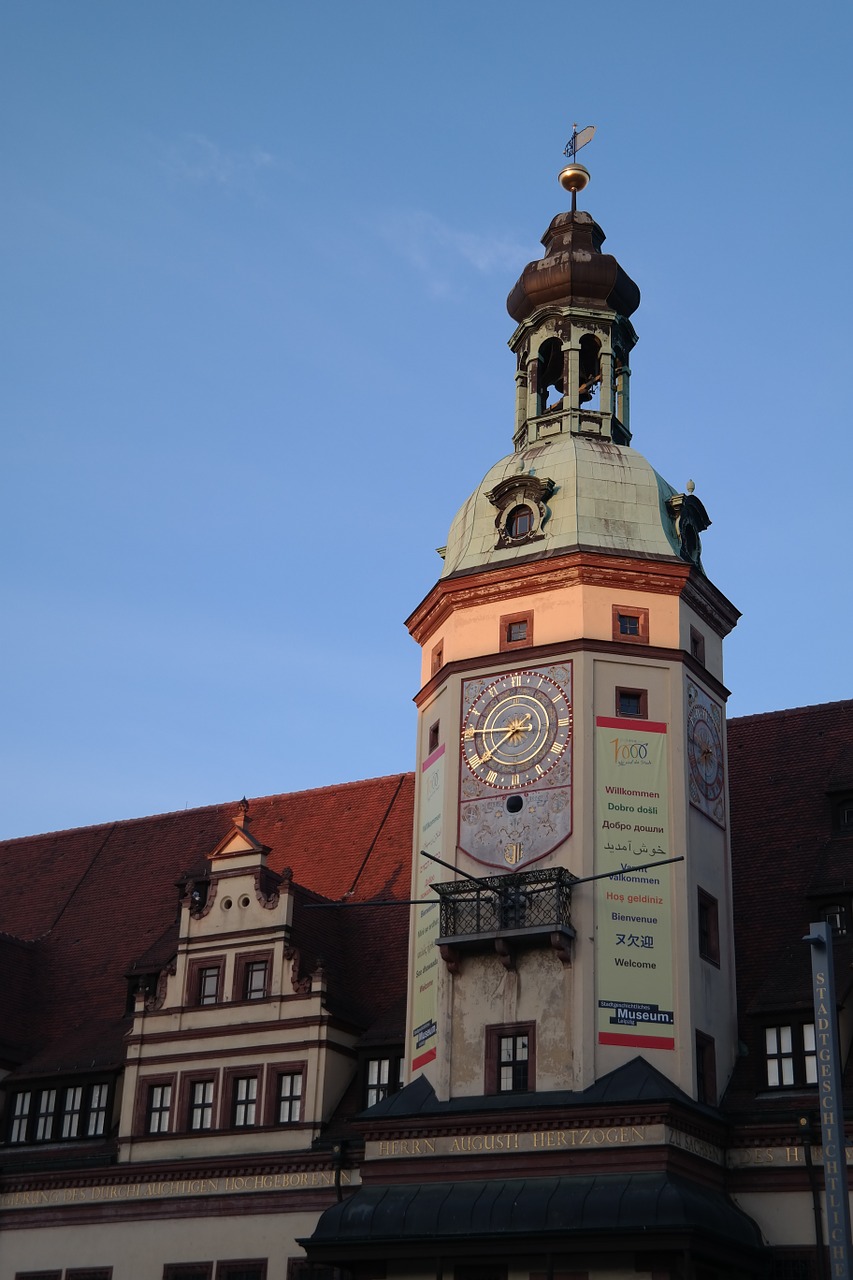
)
(516, 730)
(705, 752)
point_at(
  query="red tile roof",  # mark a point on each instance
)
(94, 900)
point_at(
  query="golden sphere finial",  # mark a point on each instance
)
(573, 178)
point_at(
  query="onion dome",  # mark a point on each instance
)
(573, 272)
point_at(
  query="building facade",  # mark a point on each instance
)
(563, 1029)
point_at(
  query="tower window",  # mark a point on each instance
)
(516, 630)
(510, 1058)
(630, 624)
(697, 645)
(709, 928)
(434, 731)
(519, 522)
(437, 658)
(632, 702)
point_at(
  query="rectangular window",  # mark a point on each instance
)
(20, 1117)
(88, 1273)
(290, 1098)
(437, 658)
(432, 744)
(630, 624)
(96, 1120)
(159, 1108)
(208, 985)
(513, 1058)
(809, 1054)
(38, 1275)
(697, 645)
(201, 1105)
(44, 1119)
(252, 1269)
(510, 1058)
(791, 1055)
(516, 630)
(245, 1101)
(71, 1109)
(780, 1056)
(632, 702)
(188, 1271)
(383, 1078)
(709, 928)
(256, 980)
(706, 1069)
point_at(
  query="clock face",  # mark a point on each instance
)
(515, 771)
(516, 730)
(705, 754)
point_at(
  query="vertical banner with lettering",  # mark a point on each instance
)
(425, 919)
(634, 963)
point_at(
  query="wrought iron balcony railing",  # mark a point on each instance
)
(523, 907)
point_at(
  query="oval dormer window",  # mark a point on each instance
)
(519, 522)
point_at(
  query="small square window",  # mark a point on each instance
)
(290, 1097)
(630, 624)
(709, 928)
(632, 703)
(516, 630)
(437, 659)
(433, 737)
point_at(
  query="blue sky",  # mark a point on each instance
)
(255, 258)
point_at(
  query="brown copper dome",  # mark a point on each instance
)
(573, 271)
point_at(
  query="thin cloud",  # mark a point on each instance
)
(437, 250)
(197, 159)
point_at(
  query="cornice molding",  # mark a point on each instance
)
(497, 584)
(539, 653)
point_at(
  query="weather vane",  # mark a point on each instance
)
(575, 177)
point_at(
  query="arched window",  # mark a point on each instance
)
(550, 375)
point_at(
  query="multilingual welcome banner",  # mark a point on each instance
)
(634, 961)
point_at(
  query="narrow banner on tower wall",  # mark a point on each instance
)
(634, 959)
(425, 919)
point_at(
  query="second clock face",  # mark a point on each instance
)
(516, 730)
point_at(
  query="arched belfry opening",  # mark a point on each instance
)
(550, 380)
(573, 338)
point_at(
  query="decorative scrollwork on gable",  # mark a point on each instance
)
(302, 986)
(266, 891)
(155, 1001)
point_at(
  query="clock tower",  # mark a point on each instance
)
(571, 882)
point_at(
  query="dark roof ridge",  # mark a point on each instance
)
(792, 711)
(207, 808)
